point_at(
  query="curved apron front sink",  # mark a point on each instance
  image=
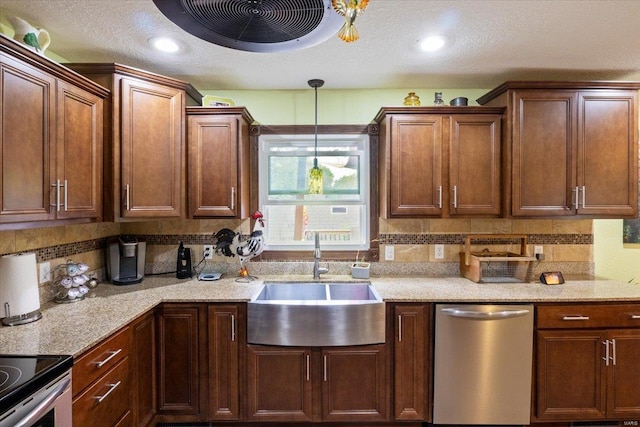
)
(312, 314)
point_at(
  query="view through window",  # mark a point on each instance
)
(340, 214)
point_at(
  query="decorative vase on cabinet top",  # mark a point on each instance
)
(36, 38)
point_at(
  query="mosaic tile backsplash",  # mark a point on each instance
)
(567, 244)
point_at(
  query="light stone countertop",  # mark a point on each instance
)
(74, 328)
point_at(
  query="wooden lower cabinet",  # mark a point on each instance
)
(412, 361)
(224, 339)
(182, 368)
(102, 383)
(585, 372)
(143, 357)
(279, 384)
(339, 384)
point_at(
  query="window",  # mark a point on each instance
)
(340, 214)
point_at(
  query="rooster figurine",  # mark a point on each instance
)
(350, 9)
(229, 243)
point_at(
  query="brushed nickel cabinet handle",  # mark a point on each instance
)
(613, 351)
(440, 197)
(65, 194)
(126, 197)
(399, 328)
(575, 318)
(635, 316)
(112, 387)
(606, 352)
(308, 367)
(57, 203)
(455, 196)
(233, 198)
(233, 327)
(111, 356)
(575, 199)
(324, 367)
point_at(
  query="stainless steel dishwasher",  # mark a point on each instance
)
(483, 364)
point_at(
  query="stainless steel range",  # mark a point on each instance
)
(35, 391)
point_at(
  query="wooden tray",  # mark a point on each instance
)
(496, 266)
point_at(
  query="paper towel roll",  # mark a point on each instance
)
(18, 285)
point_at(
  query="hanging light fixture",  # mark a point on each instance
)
(315, 176)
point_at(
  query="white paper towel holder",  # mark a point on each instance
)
(19, 295)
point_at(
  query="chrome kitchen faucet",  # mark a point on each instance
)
(317, 254)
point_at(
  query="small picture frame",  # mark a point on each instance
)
(216, 101)
(552, 278)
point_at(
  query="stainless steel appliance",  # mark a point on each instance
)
(483, 364)
(125, 260)
(35, 391)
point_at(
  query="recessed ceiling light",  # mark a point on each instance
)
(432, 43)
(164, 44)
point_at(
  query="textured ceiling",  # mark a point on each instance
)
(491, 41)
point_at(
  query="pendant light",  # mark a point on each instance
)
(315, 176)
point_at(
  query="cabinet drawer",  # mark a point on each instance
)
(88, 367)
(106, 401)
(588, 316)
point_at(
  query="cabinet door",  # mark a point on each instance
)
(571, 375)
(279, 384)
(213, 166)
(416, 166)
(543, 157)
(179, 359)
(354, 384)
(474, 165)
(224, 374)
(152, 138)
(623, 398)
(27, 142)
(410, 363)
(79, 153)
(144, 373)
(608, 152)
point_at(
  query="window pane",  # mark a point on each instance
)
(289, 175)
(294, 226)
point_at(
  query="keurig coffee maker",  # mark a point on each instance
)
(125, 260)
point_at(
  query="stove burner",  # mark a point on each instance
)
(23, 375)
(9, 376)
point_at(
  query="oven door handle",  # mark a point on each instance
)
(44, 406)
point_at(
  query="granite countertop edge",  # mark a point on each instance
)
(75, 327)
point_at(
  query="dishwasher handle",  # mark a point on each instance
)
(473, 314)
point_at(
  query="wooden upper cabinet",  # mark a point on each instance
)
(144, 152)
(51, 127)
(474, 165)
(416, 165)
(218, 159)
(571, 148)
(607, 175)
(79, 153)
(439, 161)
(28, 142)
(544, 153)
(152, 149)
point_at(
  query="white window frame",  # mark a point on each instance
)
(361, 141)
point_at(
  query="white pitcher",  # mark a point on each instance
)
(22, 28)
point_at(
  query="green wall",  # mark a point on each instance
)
(612, 259)
(335, 107)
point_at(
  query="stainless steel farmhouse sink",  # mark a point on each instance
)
(316, 314)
